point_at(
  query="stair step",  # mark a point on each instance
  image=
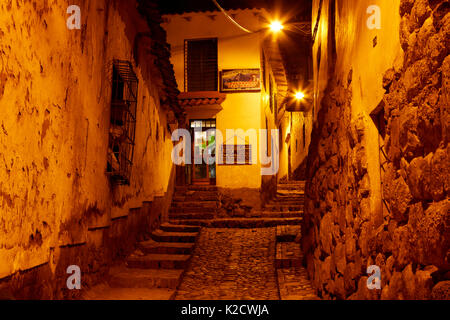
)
(179, 228)
(192, 222)
(191, 210)
(292, 182)
(241, 222)
(195, 197)
(195, 204)
(287, 233)
(191, 215)
(168, 236)
(291, 189)
(105, 292)
(151, 246)
(277, 214)
(158, 261)
(123, 277)
(282, 207)
(295, 285)
(286, 202)
(206, 188)
(288, 255)
(294, 196)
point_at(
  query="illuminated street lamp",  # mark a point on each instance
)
(299, 96)
(297, 101)
(276, 26)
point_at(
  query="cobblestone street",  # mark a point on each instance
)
(232, 264)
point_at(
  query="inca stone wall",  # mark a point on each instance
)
(410, 241)
(57, 205)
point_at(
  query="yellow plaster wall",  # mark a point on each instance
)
(356, 52)
(54, 118)
(236, 49)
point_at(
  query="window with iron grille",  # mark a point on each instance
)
(122, 122)
(200, 65)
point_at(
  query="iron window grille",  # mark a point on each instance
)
(122, 122)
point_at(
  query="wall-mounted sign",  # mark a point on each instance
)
(240, 80)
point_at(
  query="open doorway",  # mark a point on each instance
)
(203, 133)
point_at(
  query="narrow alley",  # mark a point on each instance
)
(224, 150)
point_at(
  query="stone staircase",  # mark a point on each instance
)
(194, 203)
(287, 204)
(293, 279)
(154, 270)
(198, 205)
(293, 282)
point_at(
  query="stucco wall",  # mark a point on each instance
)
(236, 49)
(346, 225)
(55, 105)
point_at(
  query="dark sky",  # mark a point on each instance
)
(295, 8)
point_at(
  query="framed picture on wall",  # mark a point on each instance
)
(240, 80)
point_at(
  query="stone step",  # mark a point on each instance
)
(292, 196)
(191, 210)
(209, 188)
(195, 197)
(240, 222)
(291, 193)
(277, 214)
(193, 222)
(294, 284)
(168, 236)
(290, 190)
(287, 233)
(283, 207)
(195, 204)
(288, 254)
(191, 215)
(151, 246)
(105, 292)
(286, 202)
(158, 261)
(178, 228)
(292, 182)
(123, 277)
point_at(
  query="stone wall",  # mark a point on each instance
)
(410, 238)
(58, 207)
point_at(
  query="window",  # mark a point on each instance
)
(200, 65)
(122, 122)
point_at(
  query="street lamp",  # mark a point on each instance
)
(299, 96)
(276, 26)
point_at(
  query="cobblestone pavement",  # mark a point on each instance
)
(235, 264)
(295, 285)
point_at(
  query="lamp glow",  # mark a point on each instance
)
(276, 26)
(299, 95)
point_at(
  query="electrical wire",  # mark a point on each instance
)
(230, 18)
(303, 28)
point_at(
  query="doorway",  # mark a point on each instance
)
(203, 133)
